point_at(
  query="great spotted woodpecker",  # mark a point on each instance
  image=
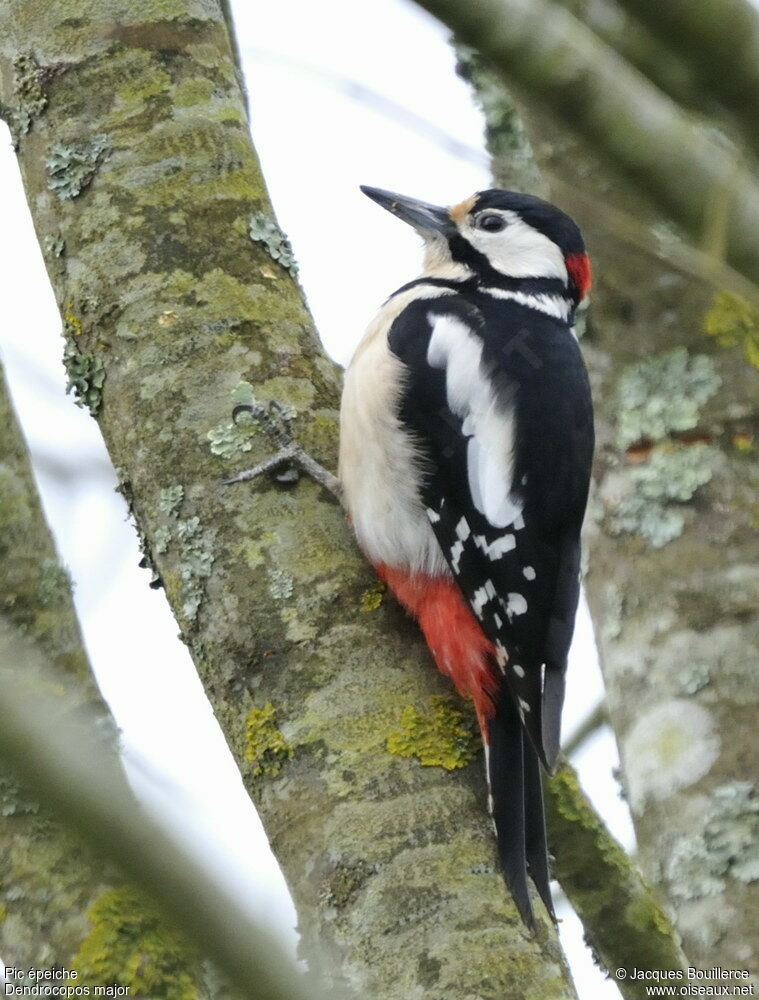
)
(465, 453)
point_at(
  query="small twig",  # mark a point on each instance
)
(593, 721)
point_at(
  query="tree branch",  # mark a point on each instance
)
(720, 44)
(545, 50)
(176, 288)
(624, 924)
(39, 859)
(617, 909)
(58, 754)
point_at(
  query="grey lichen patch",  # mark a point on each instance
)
(29, 92)
(161, 539)
(615, 606)
(670, 475)
(54, 245)
(230, 438)
(72, 167)
(694, 677)
(280, 584)
(727, 845)
(194, 548)
(55, 582)
(662, 394)
(196, 559)
(86, 377)
(170, 499)
(265, 230)
(671, 746)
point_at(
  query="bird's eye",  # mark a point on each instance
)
(491, 223)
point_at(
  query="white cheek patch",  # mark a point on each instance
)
(519, 251)
(487, 421)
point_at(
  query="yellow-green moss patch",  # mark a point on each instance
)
(438, 737)
(734, 322)
(131, 945)
(265, 746)
(372, 597)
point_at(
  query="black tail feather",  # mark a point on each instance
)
(517, 807)
(535, 828)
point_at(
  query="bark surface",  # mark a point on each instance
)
(48, 880)
(672, 581)
(173, 282)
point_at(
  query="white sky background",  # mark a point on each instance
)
(309, 68)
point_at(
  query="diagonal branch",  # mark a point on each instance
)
(58, 754)
(720, 44)
(542, 48)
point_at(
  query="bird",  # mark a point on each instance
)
(466, 443)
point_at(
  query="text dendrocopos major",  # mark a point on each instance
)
(465, 452)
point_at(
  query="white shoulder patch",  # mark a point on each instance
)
(488, 424)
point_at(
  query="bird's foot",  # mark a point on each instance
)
(289, 457)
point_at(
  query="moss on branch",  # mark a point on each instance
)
(624, 924)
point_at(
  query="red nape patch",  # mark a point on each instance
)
(578, 266)
(461, 649)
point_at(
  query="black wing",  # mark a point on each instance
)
(498, 398)
(508, 523)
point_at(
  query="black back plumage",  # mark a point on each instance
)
(522, 579)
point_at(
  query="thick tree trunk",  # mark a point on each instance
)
(173, 281)
(672, 582)
(47, 880)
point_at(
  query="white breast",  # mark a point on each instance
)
(379, 463)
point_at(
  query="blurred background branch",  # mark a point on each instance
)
(56, 751)
(549, 53)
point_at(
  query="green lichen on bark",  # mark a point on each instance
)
(130, 945)
(438, 736)
(189, 307)
(265, 747)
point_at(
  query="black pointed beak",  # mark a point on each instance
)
(424, 218)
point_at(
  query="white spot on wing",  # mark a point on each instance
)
(482, 596)
(516, 605)
(463, 530)
(457, 550)
(433, 515)
(523, 705)
(497, 548)
(519, 671)
(529, 572)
